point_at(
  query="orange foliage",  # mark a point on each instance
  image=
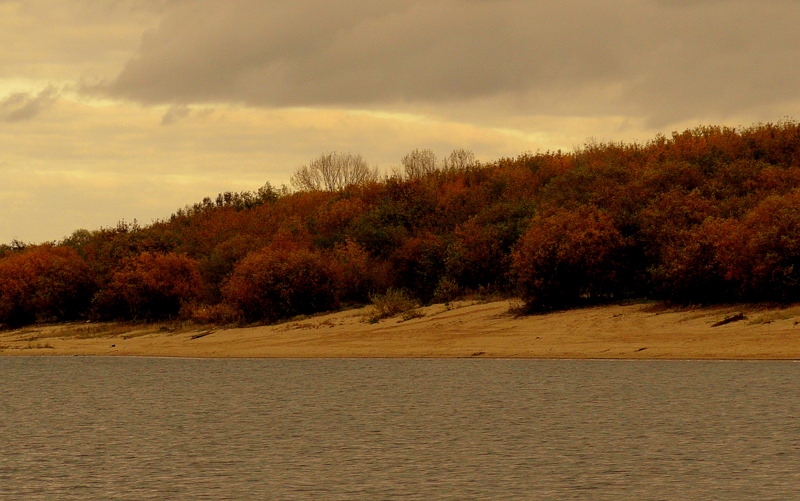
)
(565, 256)
(356, 275)
(276, 283)
(707, 214)
(149, 287)
(670, 214)
(476, 257)
(44, 283)
(690, 267)
(762, 253)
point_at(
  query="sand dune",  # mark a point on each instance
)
(465, 329)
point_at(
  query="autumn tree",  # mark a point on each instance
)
(44, 283)
(565, 256)
(275, 283)
(762, 253)
(356, 275)
(475, 257)
(418, 265)
(150, 286)
(460, 160)
(419, 163)
(332, 172)
(690, 268)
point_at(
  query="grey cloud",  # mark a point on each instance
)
(552, 56)
(21, 106)
(175, 113)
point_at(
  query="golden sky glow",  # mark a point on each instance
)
(128, 109)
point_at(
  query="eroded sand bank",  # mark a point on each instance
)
(466, 329)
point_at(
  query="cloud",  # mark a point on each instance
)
(660, 59)
(90, 163)
(175, 113)
(21, 106)
(320, 53)
(247, 90)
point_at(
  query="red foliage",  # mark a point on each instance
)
(565, 256)
(762, 253)
(337, 215)
(149, 287)
(356, 275)
(275, 283)
(44, 283)
(705, 214)
(668, 216)
(418, 265)
(690, 268)
(476, 257)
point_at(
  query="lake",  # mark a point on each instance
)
(157, 428)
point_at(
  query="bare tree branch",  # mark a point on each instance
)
(333, 171)
(419, 163)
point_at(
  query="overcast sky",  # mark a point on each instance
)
(123, 109)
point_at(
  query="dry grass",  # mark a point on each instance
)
(38, 346)
(394, 302)
(102, 330)
(773, 316)
(91, 331)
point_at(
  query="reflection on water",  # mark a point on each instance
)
(138, 428)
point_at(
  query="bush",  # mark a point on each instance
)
(355, 273)
(210, 314)
(393, 302)
(690, 269)
(276, 283)
(44, 283)
(762, 253)
(446, 290)
(565, 256)
(418, 265)
(149, 287)
(476, 257)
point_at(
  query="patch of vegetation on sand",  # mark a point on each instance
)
(394, 302)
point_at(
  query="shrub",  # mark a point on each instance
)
(418, 265)
(690, 269)
(393, 302)
(210, 314)
(762, 252)
(218, 264)
(476, 256)
(355, 274)
(276, 283)
(446, 290)
(149, 287)
(44, 283)
(565, 256)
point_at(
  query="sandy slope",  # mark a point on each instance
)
(467, 329)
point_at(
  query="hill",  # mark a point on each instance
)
(706, 215)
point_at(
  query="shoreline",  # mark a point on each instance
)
(465, 329)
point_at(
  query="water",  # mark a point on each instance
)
(138, 428)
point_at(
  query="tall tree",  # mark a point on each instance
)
(332, 172)
(419, 163)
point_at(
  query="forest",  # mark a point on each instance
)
(707, 215)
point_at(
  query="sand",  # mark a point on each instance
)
(462, 329)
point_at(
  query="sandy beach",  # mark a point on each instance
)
(462, 329)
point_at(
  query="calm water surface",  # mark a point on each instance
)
(144, 428)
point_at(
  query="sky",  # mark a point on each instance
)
(117, 110)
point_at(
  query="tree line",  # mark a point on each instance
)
(710, 214)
